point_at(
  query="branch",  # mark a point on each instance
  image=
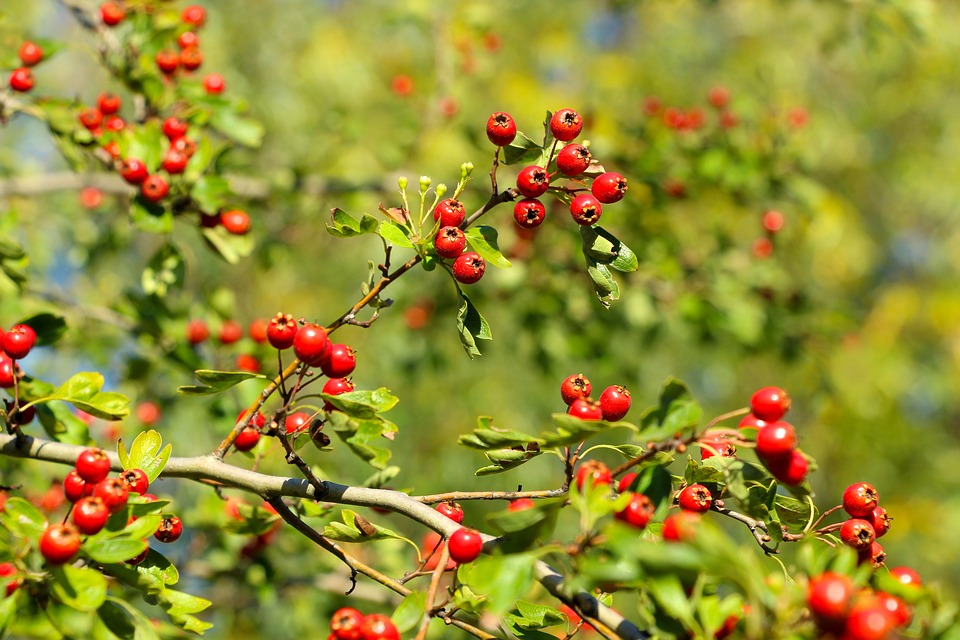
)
(488, 495)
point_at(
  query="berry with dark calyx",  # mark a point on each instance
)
(769, 403)
(592, 473)
(281, 331)
(247, 439)
(575, 386)
(191, 58)
(717, 445)
(450, 213)
(311, 344)
(345, 624)
(90, 515)
(112, 13)
(451, 510)
(860, 499)
(21, 79)
(20, 417)
(609, 187)
(19, 341)
(59, 543)
(108, 103)
(465, 545)
(696, 498)
(297, 422)
(184, 145)
(340, 363)
(213, 84)
(230, 332)
(880, 521)
(533, 181)
(585, 409)
(586, 209)
(638, 511)
(614, 403)
(92, 465)
(874, 554)
(521, 504)
(790, 470)
(336, 387)
(197, 331)
(776, 440)
(91, 118)
(133, 170)
(906, 576)
(680, 527)
(529, 213)
(751, 421)
(566, 124)
(501, 129)
(450, 242)
(155, 188)
(167, 61)
(135, 480)
(30, 53)
(113, 492)
(573, 159)
(174, 162)
(188, 39)
(194, 15)
(139, 558)
(869, 622)
(75, 488)
(857, 533)
(830, 596)
(468, 268)
(169, 530)
(377, 626)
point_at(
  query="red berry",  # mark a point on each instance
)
(791, 470)
(880, 521)
(529, 213)
(113, 492)
(625, 482)
(114, 123)
(137, 559)
(93, 465)
(18, 341)
(340, 362)
(638, 511)
(450, 213)
(869, 623)
(565, 125)
(465, 545)
(281, 331)
(154, 188)
(90, 515)
(501, 129)
(167, 61)
(345, 624)
(169, 530)
(573, 159)
(450, 242)
(194, 15)
(21, 79)
(336, 387)
(468, 268)
(214, 84)
(773, 221)
(593, 472)
(696, 498)
(148, 412)
(247, 439)
(586, 209)
(248, 362)
(776, 440)
(108, 103)
(74, 487)
(174, 162)
(184, 145)
(133, 170)
(377, 626)
(751, 421)
(197, 331)
(236, 222)
(585, 409)
(874, 554)
(297, 422)
(113, 149)
(770, 403)
(59, 543)
(9, 371)
(521, 504)
(451, 510)
(8, 569)
(906, 576)
(860, 499)
(112, 13)
(575, 386)
(191, 58)
(188, 39)
(91, 118)
(900, 610)
(609, 187)
(135, 480)
(717, 445)
(30, 53)
(728, 120)
(311, 344)
(258, 330)
(230, 332)
(258, 420)
(718, 96)
(533, 181)
(680, 527)
(830, 596)
(857, 533)
(614, 403)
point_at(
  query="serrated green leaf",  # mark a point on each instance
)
(535, 616)
(180, 608)
(355, 528)
(522, 149)
(571, 430)
(22, 519)
(363, 404)
(471, 325)
(676, 413)
(503, 579)
(125, 621)
(483, 240)
(346, 226)
(150, 216)
(146, 454)
(153, 574)
(212, 382)
(394, 234)
(602, 246)
(82, 390)
(80, 588)
(229, 246)
(211, 193)
(364, 436)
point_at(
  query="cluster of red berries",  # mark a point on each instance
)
(694, 118)
(772, 222)
(21, 78)
(451, 243)
(572, 161)
(231, 332)
(465, 544)
(95, 497)
(868, 521)
(349, 624)
(15, 344)
(851, 613)
(613, 405)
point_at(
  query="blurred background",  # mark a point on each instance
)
(838, 115)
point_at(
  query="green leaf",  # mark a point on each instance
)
(212, 382)
(363, 404)
(8, 609)
(483, 240)
(180, 606)
(535, 616)
(604, 285)
(211, 193)
(487, 436)
(394, 234)
(145, 142)
(669, 593)
(656, 483)
(571, 430)
(150, 216)
(409, 614)
(356, 528)
(164, 271)
(502, 579)
(605, 248)
(676, 413)
(125, 621)
(111, 550)
(522, 149)
(80, 588)
(364, 436)
(246, 131)
(523, 530)
(506, 459)
(22, 519)
(62, 424)
(82, 390)
(793, 512)
(471, 325)
(48, 327)
(153, 574)
(346, 226)
(145, 454)
(228, 246)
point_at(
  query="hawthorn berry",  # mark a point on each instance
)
(114, 123)
(59, 543)
(112, 13)
(19, 341)
(468, 268)
(169, 530)
(614, 403)
(19, 417)
(625, 482)
(638, 511)
(829, 596)
(188, 39)
(430, 549)
(566, 124)
(857, 533)
(92, 465)
(586, 209)
(680, 527)
(340, 362)
(247, 439)
(776, 440)
(90, 515)
(772, 221)
(230, 332)
(451, 510)
(533, 181)
(154, 188)
(108, 103)
(345, 624)
(906, 576)
(791, 470)
(450, 242)
(281, 331)
(696, 498)
(197, 331)
(718, 96)
(184, 145)
(377, 626)
(874, 554)
(135, 480)
(140, 557)
(133, 170)
(191, 58)
(751, 421)
(21, 79)
(297, 422)
(214, 84)
(336, 387)
(30, 53)
(900, 610)
(450, 213)
(194, 15)
(174, 162)
(880, 521)
(609, 187)
(769, 403)
(870, 622)
(311, 344)
(8, 569)
(575, 386)
(91, 118)
(573, 159)
(465, 545)
(585, 409)
(501, 129)
(167, 61)
(529, 213)
(521, 504)
(113, 492)
(75, 488)
(593, 472)
(860, 499)
(258, 330)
